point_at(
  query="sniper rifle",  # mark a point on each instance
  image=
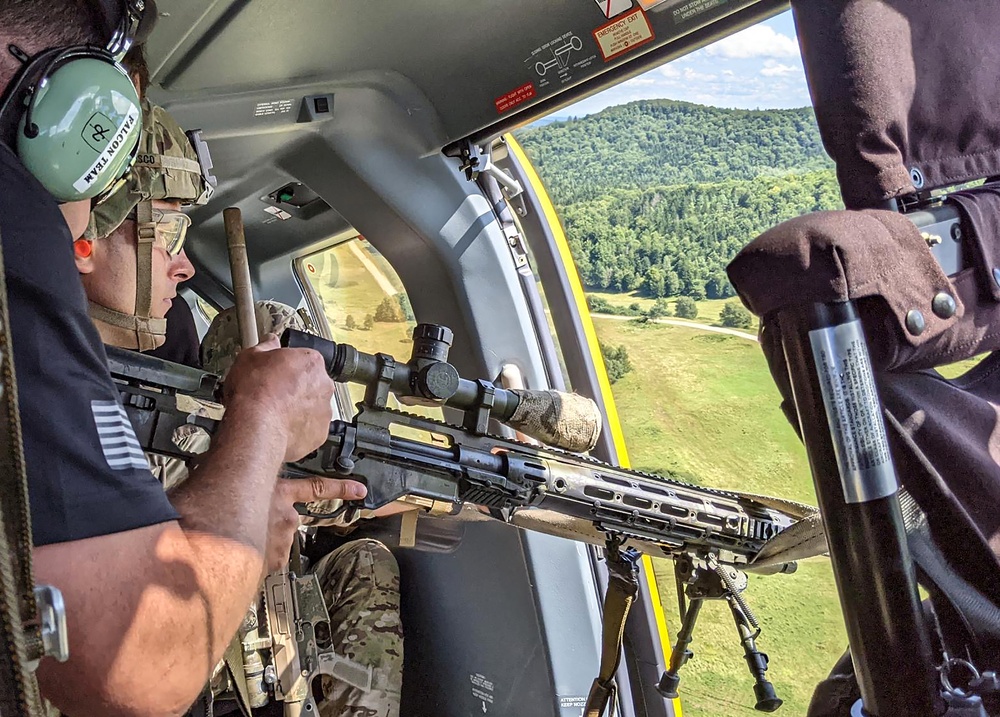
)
(712, 535)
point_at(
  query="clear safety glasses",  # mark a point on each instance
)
(171, 229)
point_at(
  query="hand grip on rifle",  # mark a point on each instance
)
(562, 420)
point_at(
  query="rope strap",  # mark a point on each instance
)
(20, 633)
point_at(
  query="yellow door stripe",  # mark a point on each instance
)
(579, 297)
(661, 619)
(614, 424)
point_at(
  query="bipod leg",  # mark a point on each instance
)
(679, 656)
(767, 699)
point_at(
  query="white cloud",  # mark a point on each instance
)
(776, 69)
(692, 75)
(755, 41)
(640, 81)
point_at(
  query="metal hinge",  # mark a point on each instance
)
(477, 161)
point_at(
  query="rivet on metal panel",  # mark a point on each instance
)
(956, 231)
(915, 323)
(944, 305)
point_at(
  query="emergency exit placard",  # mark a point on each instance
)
(623, 35)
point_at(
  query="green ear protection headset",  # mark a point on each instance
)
(72, 114)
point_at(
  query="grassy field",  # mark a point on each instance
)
(352, 282)
(703, 407)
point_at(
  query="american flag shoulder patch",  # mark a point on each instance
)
(118, 442)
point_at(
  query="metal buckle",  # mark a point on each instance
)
(52, 621)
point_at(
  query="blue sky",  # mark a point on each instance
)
(756, 68)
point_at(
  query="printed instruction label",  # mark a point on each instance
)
(572, 706)
(557, 60)
(624, 34)
(482, 689)
(696, 7)
(515, 97)
(611, 8)
(274, 107)
(853, 412)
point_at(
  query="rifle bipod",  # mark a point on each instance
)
(705, 579)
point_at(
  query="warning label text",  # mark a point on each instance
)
(623, 35)
(515, 97)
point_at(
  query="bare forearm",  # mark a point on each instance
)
(228, 491)
(149, 612)
(166, 608)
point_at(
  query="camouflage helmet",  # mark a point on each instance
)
(222, 343)
(167, 167)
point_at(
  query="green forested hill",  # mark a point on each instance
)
(662, 142)
(659, 195)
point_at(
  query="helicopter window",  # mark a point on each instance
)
(364, 304)
(205, 310)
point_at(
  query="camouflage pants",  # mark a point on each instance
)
(360, 582)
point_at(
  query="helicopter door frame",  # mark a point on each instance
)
(647, 638)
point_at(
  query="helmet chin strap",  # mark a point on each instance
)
(139, 331)
(127, 331)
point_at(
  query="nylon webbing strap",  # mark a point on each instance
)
(164, 161)
(126, 331)
(21, 642)
(233, 658)
(623, 586)
(978, 610)
(144, 258)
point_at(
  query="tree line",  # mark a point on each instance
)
(658, 196)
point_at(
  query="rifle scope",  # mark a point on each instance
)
(427, 376)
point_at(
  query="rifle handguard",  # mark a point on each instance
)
(562, 420)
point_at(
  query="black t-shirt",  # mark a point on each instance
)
(86, 473)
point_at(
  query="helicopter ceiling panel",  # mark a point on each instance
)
(476, 63)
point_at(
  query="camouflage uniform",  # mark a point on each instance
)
(221, 344)
(360, 580)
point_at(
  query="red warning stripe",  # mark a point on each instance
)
(515, 97)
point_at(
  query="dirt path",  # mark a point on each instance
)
(688, 324)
